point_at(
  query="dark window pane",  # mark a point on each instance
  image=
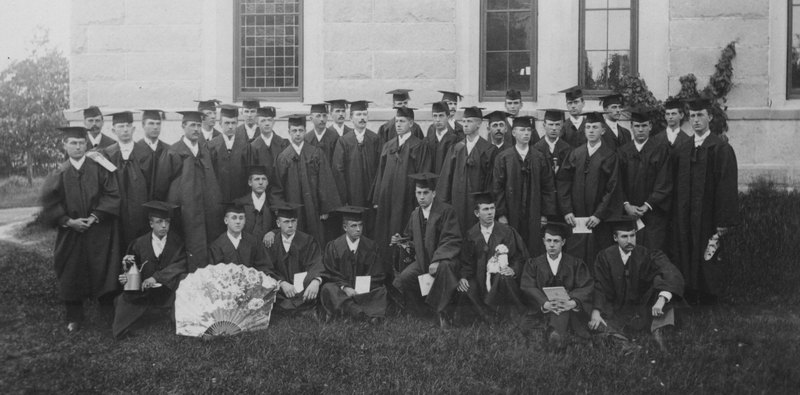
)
(595, 73)
(519, 71)
(619, 65)
(619, 30)
(520, 4)
(496, 71)
(795, 50)
(520, 31)
(497, 31)
(595, 30)
(268, 31)
(497, 4)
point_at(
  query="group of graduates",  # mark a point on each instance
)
(426, 216)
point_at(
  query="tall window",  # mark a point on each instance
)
(608, 43)
(267, 49)
(793, 56)
(508, 48)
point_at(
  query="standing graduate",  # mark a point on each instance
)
(81, 199)
(388, 131)
(208, 128)
(303, 176)
(393, 192)
(134, 168)
(572, 129)
(160, 256)
(230, 155)
(587, 187)
(151, 123)
(552, 146)
(707, 203)
(513, 104)
(645, 174)
(322, 137)
(269, 145)
(498, 130)
(186, 178)
(451, 99)
(257, 212)
(523, 187)
(615, 135)
(672, 136)
(236, 246)
(468, 168)
(346, 259)
(440, 135)
(93, 121)
(338, 114)
(249, 130)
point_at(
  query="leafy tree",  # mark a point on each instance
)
(33, 95)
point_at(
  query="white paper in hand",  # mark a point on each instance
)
(425, 283)
(639, 224)
(299, 278)
(101, 160)
(580, 226)
(362, 284)
(556, 293)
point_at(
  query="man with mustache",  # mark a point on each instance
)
(338, 112)
(93, 121)
(498, 130)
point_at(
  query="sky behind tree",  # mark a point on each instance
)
(23, 18)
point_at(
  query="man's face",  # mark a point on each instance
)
(228, 125)
(471, 125)
(485, 214)
(235, 222)
(674, 117)
(94, 124)
(699, 120)
(191, 130)
(614, 111)
(439, 120)
(625, 240)
(425, 196)
(553, 244)
(452, 106)
(353, 229)
(575, 107)
(513, 106)
(287, 225)
(498, 130)
(258, 183)
(209, 119)
(152, 128)
(296, 133)
(160, 226)
(400, 103)
(522, 134)
(266, 124)
(403, 125)
(75, 147)
(552, 129)
(319, 120)
(123, 131)
(339, 115)
(360, 119)
(641, 131)
(594, 131)
(249, 115)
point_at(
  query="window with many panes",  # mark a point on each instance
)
(607, 43)
(267, 49)
(793, 55)
(508, 48)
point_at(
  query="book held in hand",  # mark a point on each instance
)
(556, 293)
(299, 279)
(425, 283)
(362, 284)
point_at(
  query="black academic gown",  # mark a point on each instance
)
(357, 163)
(555, 158)
(587, 186)
(214, 134)
(617, 142)
(190, 182)
(388, 131)
(506, 145)
(524, 191)
(439, 149)
(304, 256)
(257, 222)
(706, 197)
(86, 264)
(463, 175)
(346, 128)
(230, 166)
(133, 182)
(646, 177)
(662, 138)
(241, 131)
(573, 135)
(267, 156)
(342, 267)
(327, 144)
(105, 141)
(250, 253)
(509, 136)
(161, 147)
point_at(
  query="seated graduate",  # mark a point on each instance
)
(634, 286)
(492, 258)
(350, 257)
(435, 236)
(257, 214)
(160, 257)
(557, 269)
(235, 246)
(297, 261)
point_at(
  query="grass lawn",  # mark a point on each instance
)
(749, 344)
(15, 192)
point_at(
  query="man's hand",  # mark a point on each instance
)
(507, 272)
(395, 238)
(288, 289)
(375, 207)
(631, 210)
(433, 268)
(503, 220)
(350, 292)
(269, 239)
(592, 222)
(149, 283)
(566, 305)
(722, 231)
(658, 308)
(550, 307)
(642, 210)
(596, 320)
(79, 225)
(311, 290)
(323, 217)
(123, 279)
(570, 218)
(463, 285)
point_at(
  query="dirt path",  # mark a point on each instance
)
(12, 219)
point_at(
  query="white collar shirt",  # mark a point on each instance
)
(158, 244)
(551, 146)
(298, 148)
(251, 132)
(228, 141)
(192, 146)
(77, 164)
(698, 140)
(672, 134)
(440, 135)
(613, 125)
(471, 144)
(94, 140)
(594, 149)
(339, 129)
(487, 232)
(360, 135)
(554, 263)
(452, 122)
(152, 144)
(234, 240)
(258, 202)
(207, 135)
(522, 152)
(402, 139)
(287, 242)
(267, 140)
(352, 245)
(639, 146)
(319, 136)
(125, 150)
(426, 212)
(577, 121)
(625, 256)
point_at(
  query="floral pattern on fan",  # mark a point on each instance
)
(224, 299)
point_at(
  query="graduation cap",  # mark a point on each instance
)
(472, 112)
(483, 197)
(267, 112)
(553, 114)
(624, 223)
(424, 180)
(229, 111)
(523, 122)
(608, 100)
(352, 213)
(572, 93)
(699, 104)
(76, 132)
(296, 120)
(440, 106)
(121, 117)
(641, 114)
(320, 108)
(251, 103)
(192, 116)
(91, 112)
(158, 115)
(359, 105)
(557, 229)
(159, 209)
(400, 94)
(405, 112)
(286, 210)
(451, 96)
(207, 105)
(496, 116)
(338, 103)
(594, 116)
(672, 104)
(235, 207)
(259, 170)
(513, 94)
